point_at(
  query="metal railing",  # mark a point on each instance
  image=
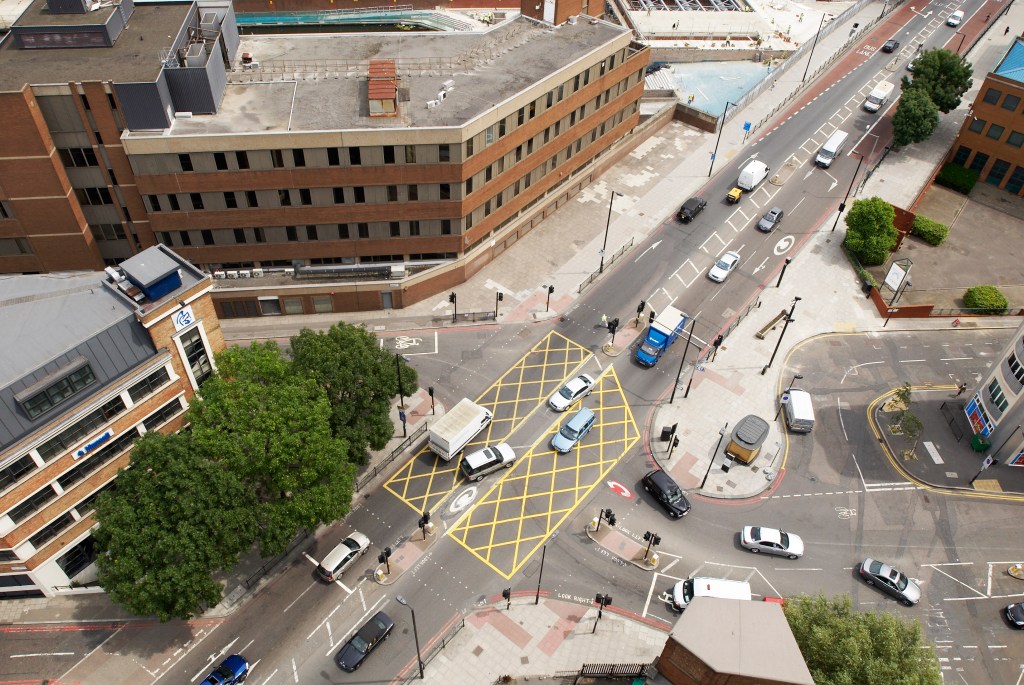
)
(607, 265)
(370, 474)
(608, 671)
(464, 316)
(439, 644)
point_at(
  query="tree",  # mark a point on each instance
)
(915, 119)
(870, 230)
(943, 75)
(844, 647)
(175, 519)
(271, 428)
(905, 421)
(360, 379)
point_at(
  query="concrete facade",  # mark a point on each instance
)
(996, 407)
(145, 357)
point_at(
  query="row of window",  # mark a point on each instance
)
(995, 132)
(14, 247)
(396, 154)
(996, 173)
(57, 391)
(1010, 102)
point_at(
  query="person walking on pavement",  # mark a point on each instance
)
(960, 390)
(1006, 31)
(604, 320)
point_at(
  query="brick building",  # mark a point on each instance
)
(333, 172)
(991, 138)
(996, 407)
(92, 361)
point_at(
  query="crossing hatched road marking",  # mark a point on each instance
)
(425, 480)
(520, 511)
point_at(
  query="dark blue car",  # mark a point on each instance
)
(234, 669)
(366, 639)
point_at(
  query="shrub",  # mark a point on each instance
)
(932, 232)
(957, 178)
(870, 233)
(988, 299)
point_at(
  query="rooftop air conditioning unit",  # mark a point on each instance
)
(244, 273)
(183, 115)
(288, 271)
(442, 94)
(431, 104)
(448, 85)
(218, 274)
(257, 273)
(115, 274)
(232, 274)
(398, 271)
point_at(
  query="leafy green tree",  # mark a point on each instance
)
(844, 647)
(271, 428)
(915, 119)
(870, 230)
(174, 520)
(360, 380)
(943, 75)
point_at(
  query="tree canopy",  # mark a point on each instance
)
(943, 75)
(870, 230)
(915, 119)
(844, 647)
(175, 518)
(360, 379)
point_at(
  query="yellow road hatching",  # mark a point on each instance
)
(425, 480)
(513, 519)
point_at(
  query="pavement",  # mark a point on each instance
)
(543, 636)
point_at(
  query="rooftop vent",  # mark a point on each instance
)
(382, 88)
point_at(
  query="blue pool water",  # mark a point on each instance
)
(712, 84)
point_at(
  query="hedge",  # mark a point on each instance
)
(957, 178)
(987, 299)
(932, 232)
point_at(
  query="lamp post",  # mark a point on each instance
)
(782, 273)
(842, 205)
(795, 379)
(719, 140)
(682, 361)
(415, 634)
(398, 372)
(961, 43)
(455, 306)
(721, 436)
(885, 6)
(789, 319)
(607, 225)
(875, 136)
(813, 45)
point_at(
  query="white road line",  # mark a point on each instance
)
(799, 569)
(911, 361)
(957, 580)
(842, 424)
(27, 656)
(269, 677)
(859, 472)
(366, 615)
(343, 586)
(214, 660)
(956, 359)
(290, 605)
(295, 670)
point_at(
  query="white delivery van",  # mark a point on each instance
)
(686, 590)
(879, 96)
(799, 411)
(752, 175)
(832, 148)
(453, 431)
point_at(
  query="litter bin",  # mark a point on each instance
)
(666, 433)
(980, 443)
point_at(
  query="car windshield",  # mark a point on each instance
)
(673, 494)
(359, 644)
(901, 580)
(566, 392)
(722, 264)
(650, 349)
(569, 432)
(351, 544)
(784, 539)
(224, 672)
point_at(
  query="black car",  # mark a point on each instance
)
(366, 639)
(1015, 612)
(891, 46)
(691, 208)
(668, 494)
(657, 66)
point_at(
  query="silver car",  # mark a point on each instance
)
(724, 266)
(771, 219)
(570, 393)
(891, 581)
(772, 541)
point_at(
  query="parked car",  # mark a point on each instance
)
(668, 494)
(1015, 612)
(572, 392)
(724, 266)
(362, 644)
(890, 45)
(343, 556)
(691, 208)
(891, 581)
(234, 669)
(772, 541)
(771, 219)
(488, 460)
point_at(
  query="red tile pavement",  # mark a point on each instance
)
(682, 471)
(503, 624)
(569, 616)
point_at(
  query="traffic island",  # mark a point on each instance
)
(621, 545)
(393, 563)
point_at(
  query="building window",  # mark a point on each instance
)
(291, 234)
(81, 555)
(311, 233)
(299, 158)
(410, 154)
(443, 153)
(1016, 181)
(58, 391)
(162, 415)
(251, 199)
(446, 191)
(389, 154)
(284, 198)
(1016, 369)
(242, 158)
(220, 160)
(1011, 102)
(322, 304)
(343, 232)
(339, 196)
(8, 555)
(230, 201)
(207, 235)
(360, 194)
(305, 197)
(392, 193)
(92, 462)
(197, 355)
(414, 227)
(977, 125)
(469, 185)
(173, 201)
(997, 173)
(395, 229)
(52, 530)
(94, 196)
(413, 192)
(239, 236)
(15, 470)
(277, 159)
(992, 96)
(962, 153)
(185, 161)
(364, 230)
(108, 231)
(33, 504)
(197, 200)
(469, 148)
(78, 157)
(333, 158)
(995, 393)
(148, 385)
(995, 131)
(354, 156)
(292, 305)
(979, 162)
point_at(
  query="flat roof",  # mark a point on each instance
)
(318, 82)
(1012, 65)
(135, 57)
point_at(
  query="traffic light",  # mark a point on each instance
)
(551, 289)
(613, 326)
(641, 307)
(451, 297)
(675, 442)
(611, 520)
(501, 297)
(425, 519)
(430, 391)
(650, 317)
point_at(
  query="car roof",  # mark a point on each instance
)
(376, 626)
(661, 479)
(769, 534)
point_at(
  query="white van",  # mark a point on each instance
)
(955, 18)
(879, 96)
(799, 411)
(752, 175)
(831, 149)
(685, 590)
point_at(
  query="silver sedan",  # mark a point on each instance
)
(772, 541)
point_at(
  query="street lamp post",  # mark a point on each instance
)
(455, 306)
(884, 7)
(607, 225)
(682, 361)
(398, 372)
(719, 140)
(795, 379)
(782, 273)
(721, 436)
(961, 43)
(813, 45)
(842, 205)
(415, 633)
(789, 319)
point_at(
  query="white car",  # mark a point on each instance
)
(570, 393)
(955, 18)
(772, 541)
(725, 265)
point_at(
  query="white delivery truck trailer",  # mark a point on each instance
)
(453, 431)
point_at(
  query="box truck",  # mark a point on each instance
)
(453, 431)
(663, 331)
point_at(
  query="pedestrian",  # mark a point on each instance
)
(961, 389)
(773, 84)
(604, 320)
(1006, 31)
(987, 17)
